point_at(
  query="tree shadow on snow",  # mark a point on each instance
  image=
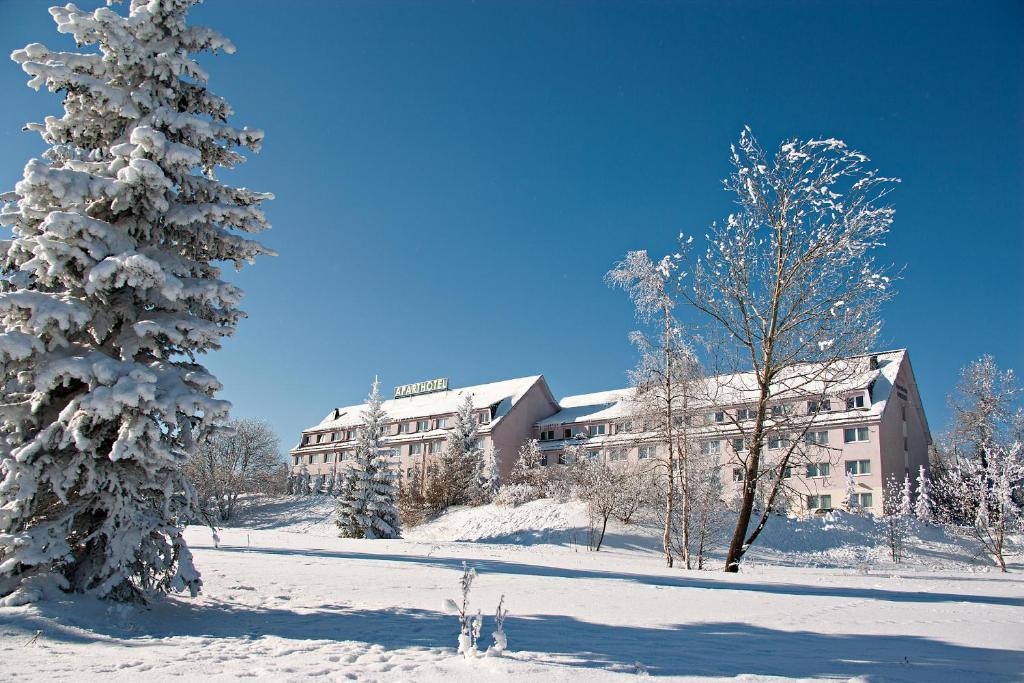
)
(699, 649)
(681, 580)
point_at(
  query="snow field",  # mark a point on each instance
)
(285, 599)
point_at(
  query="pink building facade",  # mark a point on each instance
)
(871, 425)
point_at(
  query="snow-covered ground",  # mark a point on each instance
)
(285, 599)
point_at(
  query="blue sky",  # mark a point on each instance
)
(454, 178)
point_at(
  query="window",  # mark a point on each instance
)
(856, 467)
(296, 459)
(710, 447)
(484, 417)
(566, 433)
(820, 438)
(855, 402)
(775, 441)
(434, 447)
(738, 444)
(787, 472)
(617, 454)
(385, 430)
(415, 448)
(623, 427)
(594, 455)
(422, 425)
(819, 469)
(544, 460)
(305, 439)
(350, 435)
(327, 458)
(819, 502)
(410, 473)
(645, 452)
(821, 406)
(650, 425)
(744, 414)
(720, 416)
(346, 455)
(855, 434)
(778, 411)
(403, 427)
(596, 430)
(737, 474)
(863, 500)
(312, 458)
(561, 458)
(549, 435)
(320, 438)
(335, 436)
(442, 423)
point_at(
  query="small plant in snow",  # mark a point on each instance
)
(468, 630)
(500, 641)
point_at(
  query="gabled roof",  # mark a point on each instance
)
(740, 389)
(504, 395)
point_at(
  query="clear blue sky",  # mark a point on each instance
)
(454, 178)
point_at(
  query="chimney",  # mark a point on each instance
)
(337, 413)
(873, 363)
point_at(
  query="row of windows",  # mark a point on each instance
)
(432, 447)
(775, 441)
(816, 470)
(403, 428)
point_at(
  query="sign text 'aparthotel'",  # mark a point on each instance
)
(440, 384)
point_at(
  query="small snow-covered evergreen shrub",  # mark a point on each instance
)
(109, 291)
(514, 495)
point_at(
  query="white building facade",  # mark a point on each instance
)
(871, 425)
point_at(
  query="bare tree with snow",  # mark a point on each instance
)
(983, 486)
(243, 459)
(666, 373)
(790, 290)
(110, 290)
(368, 503)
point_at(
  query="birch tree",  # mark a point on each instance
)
(666, 370)
(790, 290)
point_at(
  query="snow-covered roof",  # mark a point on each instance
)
(504, 395)
(854, 374)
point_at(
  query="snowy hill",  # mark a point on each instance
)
(839, 540)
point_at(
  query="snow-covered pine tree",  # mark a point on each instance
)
(108, 293)
(906, 499)
(852, 502)
(489, 480)
(923, 506)
(461, 462)
(368, 506)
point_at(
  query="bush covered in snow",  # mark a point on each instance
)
(514, 495)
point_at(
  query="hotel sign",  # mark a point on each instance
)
(432, 385)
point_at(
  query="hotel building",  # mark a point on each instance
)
(871, 425)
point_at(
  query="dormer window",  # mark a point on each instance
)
(855, 402)
(822, 406)
(422, 425)
(596, 430)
